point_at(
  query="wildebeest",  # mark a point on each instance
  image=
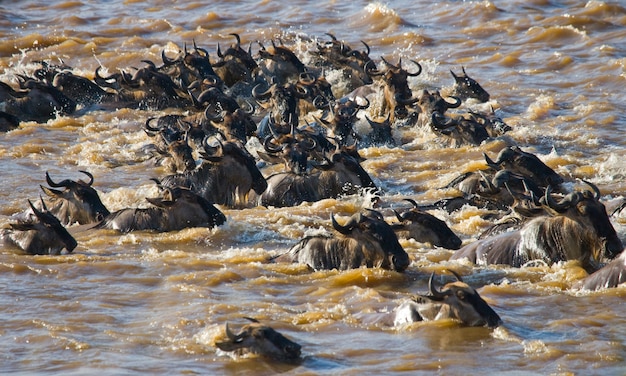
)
(433, 104)
(259, 339)
(337, 55)
(514, 170)
(283, 100)
(36, 101)
(235, 64)
(171, 147)
(396, 91)
(78, 203)
(527, 164)
(425, 227)
(455, 300)
(226, 176)
(179, 208)
(610, 275)
(343, 115)
(579, 229)
(462, 131)
(292, 150)
(466, 87)
(365, 240)
(341, 174)
(381, 133)
(40, 234)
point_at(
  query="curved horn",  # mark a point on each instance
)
(596, 191)
(436, 119)
(347, 228)
(371, 70)
(90, 176)
(419, 69)
(412, 202)
(237, 38)
(267, 145)
(65, 183)
(34, 209)
(457, 102)
(150, 128)
(438, 295)
(398, 216)
(388, 63)
(213, 151)
(231, 336)
(567, 201)
(256, 93)
(166, 60)
(367, 48)
(306, 78)
(456, 275)
(212, 117)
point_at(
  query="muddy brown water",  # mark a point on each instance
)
(154, 303)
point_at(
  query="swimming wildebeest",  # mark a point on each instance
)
(341, 174)
(40, 234)
(365, 240)
(179, 208)
(579, 229)
(466, 87)
(227, 174)
(78, 203)
(425, 228)
(455, 300)
(256, 338)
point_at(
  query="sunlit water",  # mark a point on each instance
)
(155, 303)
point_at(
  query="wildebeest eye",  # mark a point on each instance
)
(460, 294)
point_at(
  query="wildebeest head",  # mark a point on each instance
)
(41, 234)
(237, 151)
(397, 93)
(467, 87)
(585, 207)
(344, 115)
(494, 124)
(283, 100)
(237, 63)
(433, 104)
(237, 124)
(185, 207)
(279, 63)
(527, 164)
(425, 227)
(464, 303)
(260, 339)
(461, 130)
(346, 164)
(381, 132)
(290, 150)
(77, 203)
(370, 226)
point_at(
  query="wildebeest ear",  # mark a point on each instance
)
(51, 192)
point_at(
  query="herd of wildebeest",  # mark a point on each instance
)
(307, 125)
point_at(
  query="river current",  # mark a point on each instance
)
(154, 303)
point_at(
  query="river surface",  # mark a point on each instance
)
(155, 303)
